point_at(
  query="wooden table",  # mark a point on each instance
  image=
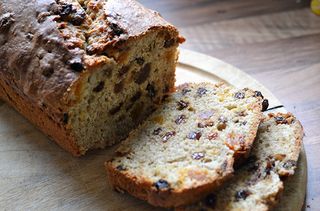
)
(277, 42)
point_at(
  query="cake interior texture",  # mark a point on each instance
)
(258, 184)
(187, 146)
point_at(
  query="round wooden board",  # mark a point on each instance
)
(38, 175)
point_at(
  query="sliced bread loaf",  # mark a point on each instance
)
(257, 185)
(188, 146)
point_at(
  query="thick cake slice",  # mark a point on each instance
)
(86, 72)
(188, 146)
(257, 185)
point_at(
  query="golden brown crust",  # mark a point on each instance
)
(145, 190)
(37, 117)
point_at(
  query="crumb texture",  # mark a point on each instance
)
(257, 185)
(189, 143)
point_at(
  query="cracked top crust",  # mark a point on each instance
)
(46, 45)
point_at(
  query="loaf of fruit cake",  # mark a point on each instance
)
(86, 72)
(187, 147)
(258, 184)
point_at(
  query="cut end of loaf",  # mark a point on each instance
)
(115, 95)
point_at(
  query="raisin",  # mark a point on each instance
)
(99, 87)
(121, 168)
(6, 20)
(169, 43)
(205, 124)
(140, 60)
(194, 135)
(76, 64)
(239, 95)
(198, 155)
(168, 135)
(65, 10)
(212, 136)
(65, 118)
(78, 18)
(180, 119)
(242, 194)
(269, 167)
(201, 91)
(151, 91)
(182, 105)
(47, 72)
(265, 104)
(258, 94)
(143, 74)
(211, 200)
(118, 87)
(162, 185)
(289, 164)
(136, 97)
(157, 131)
(185, 91)
(123, 70)
(116, 29)
(116, 109)
(221, 126)
(280, 120)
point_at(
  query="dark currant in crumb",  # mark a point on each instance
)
(258, 94)
(239, 95)
(242, 194)
(121, 168)
(65, 118)
(265, 104)
(168, 135)
(194, 135)
(180, 119)
(99, 87)
(162, 185)
(201, 91)
(157, 131)
(198, 155)
(182, 105)
(76, 65)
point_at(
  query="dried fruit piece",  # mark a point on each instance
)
(151, 91)
(280, 120)
(265, 104)
(76, 64)
(121, 168)
(168, 135)
(162, 185)
(157, 131)
(99, 87)
(198, 155)
(205, 124)
(65, 118)
(289, 164)
(194, 135)
(213, 136)
(180, 119)
(140, 60)
(201, 91)
(143, 74)
(258, 94)
(240, 95)
(185, 91)
(242, 194)
(182, 105)
(169, 43)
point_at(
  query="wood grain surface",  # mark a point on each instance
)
(38, 175)
(276, 41)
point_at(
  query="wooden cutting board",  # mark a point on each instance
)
(35, 174)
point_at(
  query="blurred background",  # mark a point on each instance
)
(275, 41)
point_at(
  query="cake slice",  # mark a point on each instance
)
(188, 146)
(257, 185)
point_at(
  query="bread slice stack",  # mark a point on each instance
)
(185, 154)
(189, 146)
(258, 184)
